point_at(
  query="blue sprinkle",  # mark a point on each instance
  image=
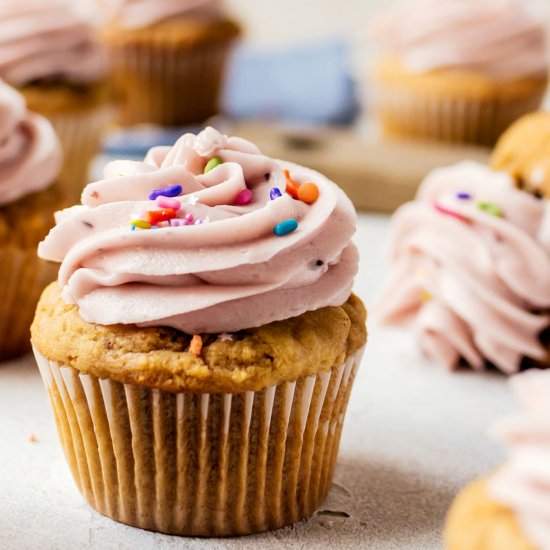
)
(283, 228)
(463, 196)
(133, 227)
(275, 193)
(154, 227)
(172, 191)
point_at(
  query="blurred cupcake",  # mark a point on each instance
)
(50, 53)
(524, 152)
(169, 58)
(510, 510)
(471, 270)
(205, 348)
(30, 159)
(458, 70)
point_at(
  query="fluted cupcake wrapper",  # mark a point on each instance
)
(23, 277)
(406, 113)
(201, 464)
(80, 133)
(170, 86)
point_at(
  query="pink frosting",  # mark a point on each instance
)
(500, 38)
(523, 483)
(141, 13)
(48, 39)
(229, 273)
(30, 154)
(468, 282)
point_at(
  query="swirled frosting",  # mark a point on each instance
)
(500, 38)
(523, 483)
(141, 13)
(471, 268)
(30, 154)
(48, 39)
(227, 273)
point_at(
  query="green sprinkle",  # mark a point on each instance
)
(212, 163)
(490, 208)
(140, 224)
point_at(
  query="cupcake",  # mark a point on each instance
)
(50, 53)
(470, 270)
(30, 158)
(169, 58)
(201, 342)
(458, 70)
(524, 152)
(510, 510)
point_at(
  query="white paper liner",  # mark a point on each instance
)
(169, 86)
(435, 116)
(201, 464)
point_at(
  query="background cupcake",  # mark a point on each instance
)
(30, 158)
(458, 70)
(169, 58)
(217, 324)
(509, 510)
(49, 52)
(470, 270)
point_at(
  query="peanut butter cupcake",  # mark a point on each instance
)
(50, 53)
(510, 509)
(203, 337)
(169, 58)
(30, 158)
(458, 70)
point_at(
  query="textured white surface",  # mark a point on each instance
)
(414, 435)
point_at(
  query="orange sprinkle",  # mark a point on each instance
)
(196, 345)
(291, 186)
(308, 193)
(32, 438)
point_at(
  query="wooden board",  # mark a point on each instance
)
(377, 175)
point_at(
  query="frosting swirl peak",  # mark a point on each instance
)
(217, 267)
(471, 265)
(30, 154)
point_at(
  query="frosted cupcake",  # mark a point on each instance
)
(30, 158)
(203, 331)
(458, 70)
(169, 58)
(471, 270)
(510, 510)
(49, 52)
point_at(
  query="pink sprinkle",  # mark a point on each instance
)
(178, 222)
(167, 202)
(448, 212)
(244, 197)
(190, 218)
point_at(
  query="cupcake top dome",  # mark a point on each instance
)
(503, 39)
(48, 40)
(30, 154)
(207, 236)
(523, 483)
(471, 269)
(141, 13)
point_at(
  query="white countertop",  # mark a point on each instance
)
(414, 435)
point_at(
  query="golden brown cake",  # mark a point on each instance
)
(477, 522)
(524, 152)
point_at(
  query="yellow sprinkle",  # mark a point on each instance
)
(140, 224)
(425, 296)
